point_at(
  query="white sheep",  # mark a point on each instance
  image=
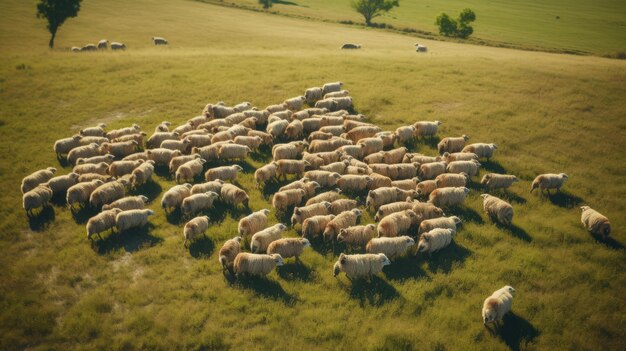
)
(353, 183)
(255, 264)
(387, 209)
(39, 196)
(229, 251)
(428, 225)
(83, 151)
(182, 145)
(265, 174)
(305, 184)
(331, 87)
(497, 305)
(159, 41)
(288, 247)
(108, 192)
(132, 219)
(360, 266)
(32, 180)
(427, 211)
(341, 205)
(79, 193)
(549, 181)
(397, 223)
(116, 133)
(100, 168)
(435, 240)
(142, 174)
(498, 209)
(253, 223)
(337, 94)
(426, 128)
(406, 184)
(234, 196)
(162, 157)
(223, 173)
(60, 184)
(391, 247)
(459, 156)
(452, 180)
(290, 151)
(65, 145)
(314, 226)
(214, 186)
(127, 203)
(451, 196)
(424, 188)
(233, 151)
(343, 220)
(287, 198)
(481, 150)
(262, 239)
(431, 170)
(421, 159)
(101, 222)
(595, 222)
(329, 196)
(94, 131)
(323, 178)
(371, 145)
(313, 94)
(118, 46)
(286, 167)
(470, 168)
(253, 142)
(189, 170)
(302, 213)
(295, 103)
(452, 144)
(405, 134)
(357, 236)
(498, 181)
(108, 158)
(175, 195)
(120, 168)
(194, 228)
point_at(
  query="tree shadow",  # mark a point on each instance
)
(42, 220)
(83, 214)
(493, 166)
(517, 332)
(608, 242)
(445, 259)
(377, 292)
(467, 214)
(151, 190)
(282, 2)
(565, 200)
(515, 231)
(264, 287)
(296, 271)
(404, 268)
(130, 240)
(202, 247)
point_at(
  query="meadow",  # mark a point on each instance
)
(546, 112)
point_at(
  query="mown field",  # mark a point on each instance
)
(546, 112)
(582, 26)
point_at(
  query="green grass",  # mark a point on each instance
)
(583, 26)
(548, 113)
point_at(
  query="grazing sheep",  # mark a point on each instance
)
(265, 174)
(308, 186)
(118, 46)
(327, 157)
(427, 211)
(64, 146)
(329, 104)
(89, 47)
(387, 209)
(343, 103)
(361, 132)
(93, 176)
(101, 222)
(119, 149)
(233, 151)
(229, 251)
(175, 195)
(470, 168)
(267, 138)
(120, 168)
(311, 124)
(343, 220)
(159, 41)
(253, 142)
(426, 128)
(262, 239)
(334, 130)
(189, 170)
(406, 184)
(223, 173)
(83, 151)
(405, 134)
(379, 181)
(329, 196)
(138, 137)
(349, 124)
(132, 219)
(288, 247)
(32, 180)
(421, 159)
(75, 49)
(317, 135)
(234, 196)
(323, 178)
(100, 140)
(60, 184)
(253, 223)
(255, 264)
(497, 305)
(314, 226)
(431, 170)
(286, 167)
(158, 138)
(39, 196)
(99, 168)
(296, 103)
(182, 145)
(221, 135)
(424, 188)
(284, 199)
(107, 193)
(198, 202)
(114, 134)
(80, 193)
(371, 145)
(459, 156)
(108, 159)
(397, 223)
(498, 181)
(136, 156)
(290, 151)
(336, 167)
(388, 138)
(595, 222)
(498, 209)
(354, 183)
(162, 157)
(435, 240)
(387, 195)
(97, 131)
(391, 247)
(420, 48)
(127, 203)
(178, 161)
(394, 156)
(342, 205)
(481, 150)
(357, 236)
(445, 197)
(214, 186)
(350, 46)
(452, 144)
(428, 225)
(360, 266)
(302, 213)
(452, 180)
(331, 87)
(549, 181)
(311, 95)
(355, 151)
(142, 174)
(194, 228)
(276, 108)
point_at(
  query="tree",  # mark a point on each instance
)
(465, 30)
(373, 8)
(266, 3)
(56, 12)
(459, 27)
(447, 25)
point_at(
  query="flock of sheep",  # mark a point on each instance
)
(103, 44)
(331, 153)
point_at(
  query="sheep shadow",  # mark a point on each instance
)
(404, 268)
(512, 197)
(296, 271)
(608, 242)
(83, 214)
(431, 141)
(263, 287)
(445, 259)
(270, 188)
(163, 171)
(565, 200)
(467, 214)
(247, 167)
(202, 247)
(493, 166)
(63, 162)
(285, 216)
(151, 190)
(175, 217)
(376, 292)
(263, 155)
(130, 240)
(515, 231)
(517, 332)
(42, 220)
(59, 199)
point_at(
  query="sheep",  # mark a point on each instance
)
(329, 196)
(253, 223)
(361, 265)
(427, 211)
(470, 168)
(343, 220)
(253, 142)
(595, 222)
(481, 150)
(118, 46)
(549, 181)
(431, 170)
(428, 225)
(107, 193)
(421, 159)
(329, 104)
(80, 193)
(214, 186)
(497, 305)
(405, 134)
(237, 130)
(394, 156)
(75, 49)
(158, 138)
(371, 145)
(318, 135)
(331, 87)
(313, 227)
(262, 239)
(127, 203)
(234, 196)
(459, 156)
(331, 144)
(498, 209)
(229, 251)
(354, 183)
(236, 118)
(138, 137)
(36, 197)
(343, 103)
(355, 151)
(120, 168)
(276, 108)
(189, 170)
(265, 174)
(435, 240)
(83, 151)
(391, 247)
(452, 180)
(209, 152)
(446, 197)
(386, 195)
(498, 181)
(175, 195)
(233, 151)
(286, 167)
(107, 158)
(60, 184)
(387, 209)
(243, 106)
(100, 168)
(424, 188)
(100, 140)
(295, 103)
(114, 134)
(290, 151)
(426, 128)
(337, 94)
(132, 218)
(182, 145)
(32, 180)
(223, 173)
(323, 178)
(94, 131)
(162, 157)
(194, 228)
(335, 167)
(328, 157)
(89, 47)
(302, 213)
(334, 130)
(64, 146)
(159, 41)
(397, 223)
(311, 124)
(198, 202)
(305, 184)
(255, 264)
(286, 198)
(379, 181)
(341, 205)
(357, 236)
(349, 124)
(361, 131)
(406, 184)
(452, 144)
(311, 95)
(288, 247)
(266, 138)
(136, 156)
(101, 222)
(403, 171)
(178, 161)
(357, 118)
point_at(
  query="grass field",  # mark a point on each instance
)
(588, 27)
(546, 112)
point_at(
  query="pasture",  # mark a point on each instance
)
(546, 112)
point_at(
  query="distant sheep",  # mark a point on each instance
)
(470, 168)
(114, 134)
(118, 46)
(360, 266)
(435, 240)
(595, 222)
(312, 95)
(287, 167)
(233, 152)
(459, 156)
(336, 94)
(426, 128)
(350, 46)
(194, 228)
(255, 264)
(295, 104)
(391, 247)
(132, 219)
(107, 158)
(100, 168)
(305, 184)
(162, 157)
(84, 151)
(387, 209)
(194, 203)
(265, 174)
(120, 168)
(329, 196)
(354, 183)
(498, 209)
(289, 151)
(323, 178)
(427, 211)
(262, 239)
(549, 181)
(94, 131)
(405, 134)
(452, 180)
(159, 41)
(214, 186)
(64, 146)
(223, 173)
(406, 184)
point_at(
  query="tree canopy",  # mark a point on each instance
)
(56, 12)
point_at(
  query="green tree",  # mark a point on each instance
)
(373, 8)
(459, 27)
(56, 12)
(447, 25)
(266, 3)
(465, 30)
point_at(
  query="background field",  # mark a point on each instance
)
(547, 113)
(597, 27)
